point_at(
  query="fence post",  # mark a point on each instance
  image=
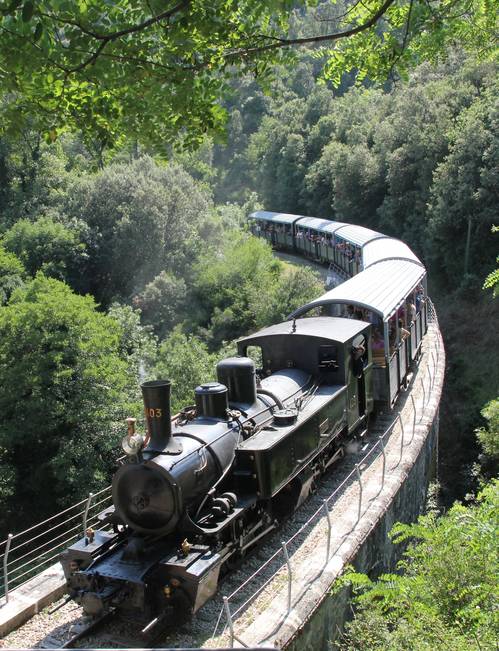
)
(359, 479)
(402, 436)
(290, 575)
(5, 570)
(381, 440)
(413, 418)
(424, 399)
(326, 508)
(85, 515)
(229, 621)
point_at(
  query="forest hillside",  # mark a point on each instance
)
(118, 269)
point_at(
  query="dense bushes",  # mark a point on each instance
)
(64, 384)
(444, 596)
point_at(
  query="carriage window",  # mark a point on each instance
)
(328, 357)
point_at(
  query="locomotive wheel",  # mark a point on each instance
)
(231, 497)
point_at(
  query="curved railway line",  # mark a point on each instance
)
(348, 496)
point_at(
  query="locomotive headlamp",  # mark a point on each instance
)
(132, 444)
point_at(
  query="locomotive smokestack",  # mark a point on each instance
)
(156, 396)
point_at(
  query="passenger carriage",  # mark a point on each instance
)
(386, 285)
(382, 295)
(276, 228)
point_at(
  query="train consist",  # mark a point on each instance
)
(200, 490)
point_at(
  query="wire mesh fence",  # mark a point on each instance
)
(26, 554)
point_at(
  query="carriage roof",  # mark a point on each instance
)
(382, 288)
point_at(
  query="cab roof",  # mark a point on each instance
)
(323, 327)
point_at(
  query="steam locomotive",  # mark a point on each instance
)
(200, 490)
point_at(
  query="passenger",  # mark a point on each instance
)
(350, 313)
(419, 298)
(403, 332)
(411, 311)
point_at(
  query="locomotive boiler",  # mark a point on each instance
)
(199, 491)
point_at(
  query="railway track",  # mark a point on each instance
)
(108, 631)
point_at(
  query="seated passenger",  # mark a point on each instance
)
(350, 313)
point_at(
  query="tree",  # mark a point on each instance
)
(488, 436)
(153, 71)
(138, 347)
(35, 176)
(12, 274)
(142, 219)
(48, 246)
(185, 360)
(465, 191)
(230, 282)
(295, 286)
(445, 595)
(162, 302)
(63, 389)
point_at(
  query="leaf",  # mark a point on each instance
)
(13, 6)
(28, 9)
(38, 32)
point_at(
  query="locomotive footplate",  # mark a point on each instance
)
(83, 553)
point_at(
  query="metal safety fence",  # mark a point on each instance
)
(26, 554)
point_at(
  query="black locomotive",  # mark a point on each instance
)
(199, 491)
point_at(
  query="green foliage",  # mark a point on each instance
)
(492, 280)
(489, 436)
(131, 68)
(294, 287)
(150, 72)
(142, 219)
(35, 177)
(163, 302)
(243, 287)
(445, 596)
(63, 386)
(47, 246)
(229, 284)
(137, 347)
(12, 274)
(185, 360)
(465, 190)
(410, 34)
